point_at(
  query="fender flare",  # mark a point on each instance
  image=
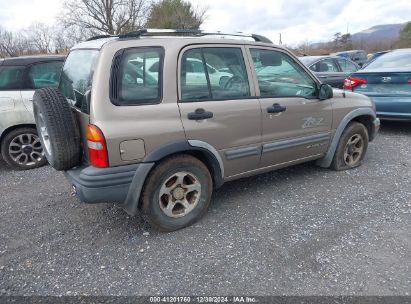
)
(326, 161)
(131, 203)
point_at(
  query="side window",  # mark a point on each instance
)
(346, 66)
(138, 78)
(326, 65)
(45, 74)
(279, 75)
(12, 77)
(213, 74)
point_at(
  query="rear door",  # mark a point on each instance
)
(329, 72)
(347, 67)
(221, 109)
(296, 124)
(11, 82)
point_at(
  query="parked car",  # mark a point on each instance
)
(374, 56)
(387, 81)
(19, 77)
(161, 148)
(330, 69)
(358, 56)
(194, 73)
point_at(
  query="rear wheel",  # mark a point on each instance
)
(351, 148)
(177, 193)
(21, 149)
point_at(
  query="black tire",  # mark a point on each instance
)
(60, 138)
(352, 132)
(21, 149)
(153, 204)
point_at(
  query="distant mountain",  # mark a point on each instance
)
(384, 32)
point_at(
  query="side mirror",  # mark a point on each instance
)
(326, 92)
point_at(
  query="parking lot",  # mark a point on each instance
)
(298, 231)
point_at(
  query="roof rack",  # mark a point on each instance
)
(99, 37)
(191, 32)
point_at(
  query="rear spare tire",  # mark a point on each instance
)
(57, 128)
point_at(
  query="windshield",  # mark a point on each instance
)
(77, 74)
(395, 59)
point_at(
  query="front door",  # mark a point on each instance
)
(296, 124)
(217, 106)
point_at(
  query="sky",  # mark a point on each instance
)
(298, 21)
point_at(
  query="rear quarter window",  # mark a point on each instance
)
(136, 76)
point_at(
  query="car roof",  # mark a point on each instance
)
(349, 52)
(27, 60)
(99, 43)
(312, 59)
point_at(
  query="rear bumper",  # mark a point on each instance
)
(393, 107)
(394, 116)
(96, 185)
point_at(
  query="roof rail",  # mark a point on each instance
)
(191, 32)
(99, 37)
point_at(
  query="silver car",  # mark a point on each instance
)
(19, 77)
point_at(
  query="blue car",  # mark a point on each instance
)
(387, 81)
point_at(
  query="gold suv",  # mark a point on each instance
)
(156, 119)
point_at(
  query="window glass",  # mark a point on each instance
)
(139, 79)
(394, 59)
(77, 74)
(45, 74)
(280, 76)
(326, 65)
(224, 78)
(346, 66)
(194, 85)
(11, 77)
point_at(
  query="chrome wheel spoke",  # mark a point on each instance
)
(169, 209)
(193, 187)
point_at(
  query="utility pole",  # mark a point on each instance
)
(280, 41)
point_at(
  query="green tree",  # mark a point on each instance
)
(175, 14)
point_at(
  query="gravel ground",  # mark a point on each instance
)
(298, 231)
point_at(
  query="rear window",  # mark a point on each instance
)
(77, 74)
(396, 59)
(11, 77)
(137, 76)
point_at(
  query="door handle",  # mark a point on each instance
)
(200, 114)
(322, 76)
(276, 108)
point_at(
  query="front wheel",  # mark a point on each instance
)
(22, 150)
(177, 193)
(352, 147)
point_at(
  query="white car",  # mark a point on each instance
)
(19, 77)
(194, 71)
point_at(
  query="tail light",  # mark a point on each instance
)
(351, 82)
(409, 81)
(97, 149)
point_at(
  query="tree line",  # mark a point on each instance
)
(82, 19)
(344, 42)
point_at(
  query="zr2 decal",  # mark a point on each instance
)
(312, 122)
